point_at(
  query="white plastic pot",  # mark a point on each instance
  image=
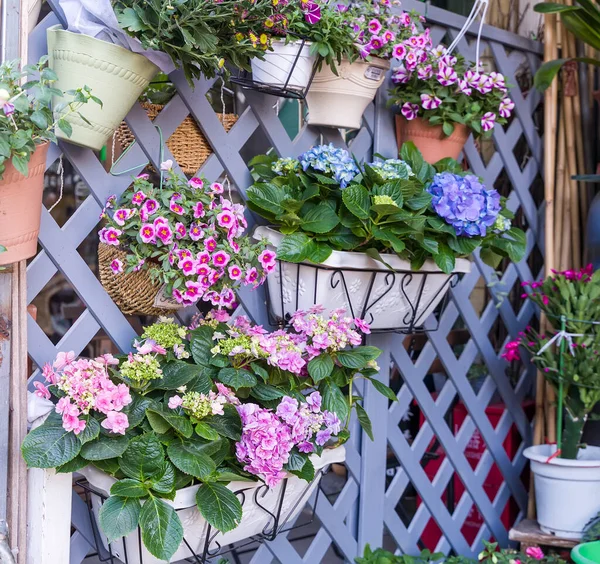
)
(341, 100)
(277, 65)
(255, 520)
(567, 492)
(396, 298)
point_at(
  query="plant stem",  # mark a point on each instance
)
(571, 437)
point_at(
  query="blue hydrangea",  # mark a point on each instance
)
(465, 203)
(392, 169)
(330, 161)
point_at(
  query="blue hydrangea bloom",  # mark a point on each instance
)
(331, 161)
(392, 169)
(465, 203)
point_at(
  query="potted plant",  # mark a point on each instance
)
(381, 239)
(568, 358)
(303, 36)
(197, 37)
(166, 247)
(339, 95)
(26, 129)
(441, 98)
(169, 434)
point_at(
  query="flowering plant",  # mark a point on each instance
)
(407, 207)
(26, 119)
(200, 37)
(444, 90)
(188, 235)
(204, 406)
(490, 554)
(572, 357)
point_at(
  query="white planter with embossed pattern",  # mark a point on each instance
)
(387, 299)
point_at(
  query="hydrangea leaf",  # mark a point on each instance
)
(119, 516)
(219, 506)
(105, 447)
(162, 531)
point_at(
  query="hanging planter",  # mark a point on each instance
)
(187, 144)
(265, 512)
(116, 76)
(431, 140)
(567, 491)
(340, 100)
(285, 71)
(21, 208)
(388, 299)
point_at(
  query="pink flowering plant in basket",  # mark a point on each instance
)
(189, 235)
(570, 298)
(202, 406)
(443, 88)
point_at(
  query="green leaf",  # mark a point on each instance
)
(49, 446)
(320, 367)
(91, 431)
(267, 196)
(176, 374)
(444, 258)
(189, 459)
(162, 531)
(420, 201)
(72, 466)
(334, 400)
(259, 371)
(219, 506)
(383, 389)
(206, 431)
(351, 359)
(143, 459)
(65, 127)
(105, 447)
(180, 423)
(320, 219)
(128, 487)
(128, 19)
(490, 258)
(266, 392)
(307, 472)
(448, 128)
(201, 343)
(165, 483)
(356, 198)
(320, 253)
(39, 119)
(548, 71)
(21, 164)
(136, 410)
(227, 425)
(364, 420)
(119, 516)
(237, 378)
(109, 465)
(463, 245)
(295, 247)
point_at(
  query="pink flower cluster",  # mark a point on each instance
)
(268, 438)
(291, 351)
(86, 386)
(192, 239)
(425, 74)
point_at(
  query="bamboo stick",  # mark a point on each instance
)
(553, 258)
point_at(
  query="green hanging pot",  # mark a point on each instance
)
(586, 553)
(116, 75)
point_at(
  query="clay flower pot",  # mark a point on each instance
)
(430, 139)
(21, 208)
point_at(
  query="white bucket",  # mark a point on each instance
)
(255, 520)
(567, 492)
(277, 65)
(341, 100)
(351, 278)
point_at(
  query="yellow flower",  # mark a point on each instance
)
(264, 39)
(269, 22)
(221, 63)
(275, 2)
(239, 36)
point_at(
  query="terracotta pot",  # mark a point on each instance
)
(430, 139)
(21, 208)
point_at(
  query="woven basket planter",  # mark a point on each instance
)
(187, 144)
(134, 293)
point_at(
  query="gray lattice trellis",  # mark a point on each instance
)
(366, 507)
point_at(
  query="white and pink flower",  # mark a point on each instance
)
(409, 111)
(430, 101)
(148, 233)
(506, 107)
(116, 266)
(488, 121)
(446, 75)
(220, 259)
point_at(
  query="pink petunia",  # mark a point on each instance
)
(411, 61)
(216, 188)
(401, 75)
(424, 72)
(220, 259)
(506, 107)
(180, 230)
(164, 233)
(399, 51)
(235, 272)
(376, 42)
(122, 215)
(138, 198)
(464, 87)
(175, 207)
(210, 244)
(111, 236)
(198, 209)
(267, 258)
(430, 102)
(196, 183)
(187, 266)
(446, 76)
(194, 290)
(147, 233)
(251, 276)
(497, 81)
(409, 111)
(387, 36)
(484, 85)
(166, 165)
(312, 13)
(150, 206)
(488, 121)
(374, 26)
(139, 265)
(535, 552)
(143, 176)
(225, 219)
(116, 266)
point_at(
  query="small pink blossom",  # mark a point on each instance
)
(198, 209)
(62, 359)
(216, 188)
(116, 266)
(535, 552)
(187, 266)
(464, 87)
(196, 233)
(41, 391)
(180, 230)
(196, 183)
(267, 259)
(251, 276)
(374, 26)
(116, 422)
(401, 75)
(220, 259)
(175, 402)
(235, 272)
(166, 165)
(147, 233)
(210, 244)
(399, 51)
(511, 351)
(150, 206)
(164, 233)
(424, 72)
(122, 215)
(194, 290)
(175, 207)
(446, 76)
(110, 236)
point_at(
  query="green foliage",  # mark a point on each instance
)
(375, 214)
(26, 119)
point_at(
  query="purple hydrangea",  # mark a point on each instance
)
(465, 203)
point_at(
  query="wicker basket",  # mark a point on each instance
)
(187, 144)
(134, 293)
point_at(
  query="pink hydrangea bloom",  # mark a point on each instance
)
(116, 422)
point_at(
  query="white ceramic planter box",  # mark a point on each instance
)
(567, 492)
(277, 65)
(348, 279)
(254, 521)
(341, 100)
